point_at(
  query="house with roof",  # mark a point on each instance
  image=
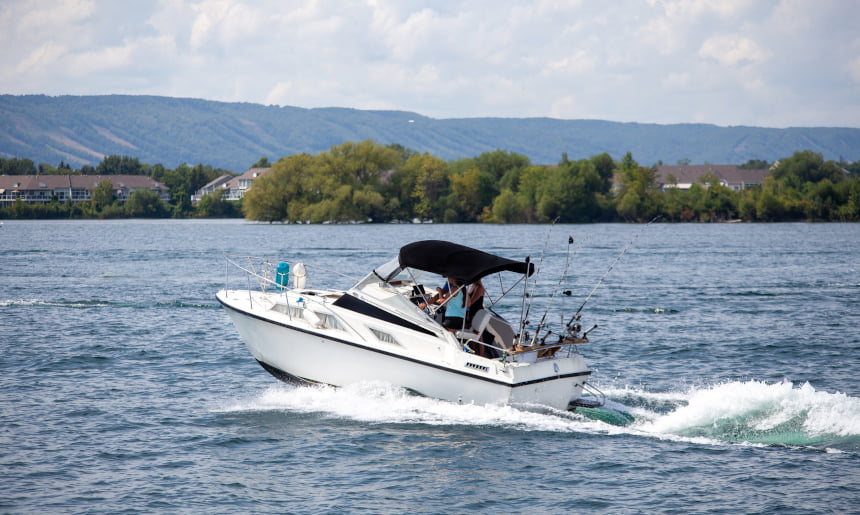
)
(683, 177)
(75, 188)
(234, 187)
(210, 186)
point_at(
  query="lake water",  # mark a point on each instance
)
(729, 355)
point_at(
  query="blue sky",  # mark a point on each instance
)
(776, 63)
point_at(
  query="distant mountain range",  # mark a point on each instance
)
(82, 129)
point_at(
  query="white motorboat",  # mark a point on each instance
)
(380, 330)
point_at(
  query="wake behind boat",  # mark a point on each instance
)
(389, 327)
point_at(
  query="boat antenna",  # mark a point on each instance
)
(576, 315)
(555, 291)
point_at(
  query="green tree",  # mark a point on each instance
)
(282, 193)
(498, 170)
(627, 162)
(676, 206)
(144, 202)
(363, 163)
(215, 205)
(755, 164)
(341, 173)
(807, 166)
(712, 201)
(431, 180)
(639, 197)
(119, 165)
(16, 166)
(263, 162)
(369, 203)
(531, 190)
(822, 199)
(570, 192)
(508, 208)
(103, 195)
(747, 204)
(851, 168)
(18, 208)
(850, 210)
(183, 182)
(770, 207)
(605, 167)
(466, 197)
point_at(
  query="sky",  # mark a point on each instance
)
(776, 63)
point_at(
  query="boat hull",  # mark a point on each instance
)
(294, 350)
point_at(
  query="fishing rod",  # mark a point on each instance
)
(554, 292)
(523, 320)
(576, 315)
(526, 308)
(504, 291)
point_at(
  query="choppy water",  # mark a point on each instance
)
(729, 354)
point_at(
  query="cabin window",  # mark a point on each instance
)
(383, 337)
(328, 321)
(292, 311)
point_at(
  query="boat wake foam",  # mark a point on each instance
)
(750, 412)
(5, 303)
(383, 403)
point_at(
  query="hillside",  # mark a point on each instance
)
(81, 129)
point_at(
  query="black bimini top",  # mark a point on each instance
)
(458, 261)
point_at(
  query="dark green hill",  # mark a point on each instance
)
(80, 130)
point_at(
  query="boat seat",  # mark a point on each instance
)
(502, 332)
(479, 324)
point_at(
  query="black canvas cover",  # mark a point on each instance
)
(458, 261)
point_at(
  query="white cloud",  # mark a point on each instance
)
(686, 9)
(677, 80)
(224, 22)
(41, 58)
(578, 64)
(732, 49)
(720, 61)
(853, 68)
(44, 17)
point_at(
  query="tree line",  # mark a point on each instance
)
(366, 181)
(370, 182)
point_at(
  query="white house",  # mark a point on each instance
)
(77, 188)
(684, 176)
(234, 187)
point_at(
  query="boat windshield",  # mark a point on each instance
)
(389, 271)
(392, 285)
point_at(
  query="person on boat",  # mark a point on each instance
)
(474, 300)
(455, 306)
(475, 303)
(438, 297)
